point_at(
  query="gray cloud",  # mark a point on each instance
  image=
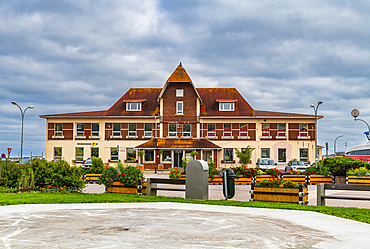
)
(68, 56)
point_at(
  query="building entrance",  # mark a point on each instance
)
(177, 158)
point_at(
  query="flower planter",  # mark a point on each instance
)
(315, 179)
(300, 179)
(92, 178)
(358, 180)
(118, 187)
(340, 179)
(263, 177)
(277, 194)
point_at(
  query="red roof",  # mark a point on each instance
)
(179, 75)
(282, 114)
(163, 143)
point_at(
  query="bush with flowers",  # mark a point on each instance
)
(292, 172)
(128, 176)
(175, 173)
(242, 172)
(277, 182)
(274, 172)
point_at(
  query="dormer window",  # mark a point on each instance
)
(133, 106)
(179, 92)
(226, 104)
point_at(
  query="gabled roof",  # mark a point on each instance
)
(211, 96)
(179, 75)
(163, 143)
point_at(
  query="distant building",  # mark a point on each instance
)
(177, 119)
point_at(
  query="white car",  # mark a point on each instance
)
(265, 164)
(295, 166)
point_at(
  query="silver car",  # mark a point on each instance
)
(265, 164)
(295, 166)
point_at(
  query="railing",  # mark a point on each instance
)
(321, 196)
(152, 185)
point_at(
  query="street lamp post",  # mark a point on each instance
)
(335, 144)
(315, 110)
(22, 114)
(355, 113)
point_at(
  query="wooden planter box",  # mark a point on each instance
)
(315, 179)
(358, 180)
(92, 178)
(276, 194)
(118, 187)
(300, 179)
(264, 177)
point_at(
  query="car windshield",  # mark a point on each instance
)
(300, 163)
(88, 161)
(266, 162)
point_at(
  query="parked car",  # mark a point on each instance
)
(295, 166)
(265, 164)
(87, 164)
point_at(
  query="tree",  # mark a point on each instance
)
(244, 155)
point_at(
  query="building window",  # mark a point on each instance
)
(265, 130)
(303, 155)
(211, 130)
(227, 130)
(131, 154)
(226, 106)
(207, 155)
(172, 130)
(186, 130)
(179, 92)
(228, 155)
(114, 154)
(116, 130)
(80, 129)
(179, 107)
(133, 106)
(265, 153)
(58, 130)
(303, 130)
(148, 130)
(281, 155)
(166, 156)
(281, 130)
(79, 154)
(94, 152)
(149, 155)
(57, 153)
(243, 130)
(95, 129)
(132, 129)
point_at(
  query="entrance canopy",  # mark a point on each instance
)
(168, 143)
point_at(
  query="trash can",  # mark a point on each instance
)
(228, 181)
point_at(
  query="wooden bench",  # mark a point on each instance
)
(152, 185)
(321, 196)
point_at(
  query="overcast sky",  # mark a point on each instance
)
(71, 56)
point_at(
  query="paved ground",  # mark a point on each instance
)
(173, 225)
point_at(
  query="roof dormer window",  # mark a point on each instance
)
(226, 104)
(179, 92)
(133, 106)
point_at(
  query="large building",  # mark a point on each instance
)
(170, 122)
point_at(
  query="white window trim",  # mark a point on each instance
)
(172, 131)
(221, 106)
(177, 107)
(129, 109)
(179, 92)
(187, 132)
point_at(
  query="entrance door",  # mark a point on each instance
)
(177, 158)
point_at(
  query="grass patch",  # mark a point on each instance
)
(357, 214)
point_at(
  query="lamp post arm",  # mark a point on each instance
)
(368, 127)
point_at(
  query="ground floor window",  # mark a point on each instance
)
(265, 153)
(57, 153)
(131, 154)
(166, 156)
(79, 154)
(281, 155)
(114, 154)
(228, 155)
(149, 155)
(303, 155)
(207, 155)
(94, 151)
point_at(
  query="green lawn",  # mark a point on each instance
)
(357, 214)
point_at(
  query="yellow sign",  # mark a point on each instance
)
(93, 143)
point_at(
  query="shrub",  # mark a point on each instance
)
(9, 174)
(275, 182)
(26, 181)
(212, 170)
(339, 166)
(241, 172)
(292, 172)
(107, 177)
(175, 173)
(359, 172)
(274, 172)
(244, 155)
(57, 174)
(97, 165)
(130, 176)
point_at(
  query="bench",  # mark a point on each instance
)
(152, 188)
(321, 196)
